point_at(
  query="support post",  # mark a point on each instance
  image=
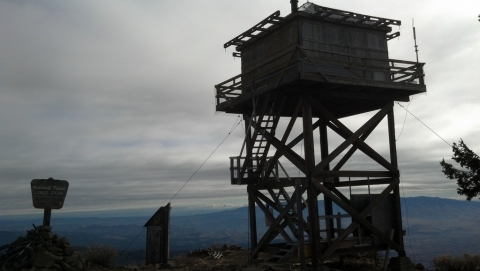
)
(311, 190)
(251, 199)
(398, 235)
(47, 215)
(252, 219)
(300, 230)
(328, 206)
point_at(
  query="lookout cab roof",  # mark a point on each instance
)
(313, 12)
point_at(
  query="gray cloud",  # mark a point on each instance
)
(118, 98)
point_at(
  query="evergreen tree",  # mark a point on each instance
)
(468, 178)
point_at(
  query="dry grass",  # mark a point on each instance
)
(454, 263)
(101, 255)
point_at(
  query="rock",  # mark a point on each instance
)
(45, 228)
(71, 258)
(68, 251)
(66, 267)
(77, 265)
(46, 235)
(43, 260)
(55, 239)
(55, 258)
(64, 241)
(57, 267)
(419, 266)
(52, 253)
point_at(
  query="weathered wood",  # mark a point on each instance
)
(359, 182)
(316, 60)
(344, 132)
(354, 148)
(287, 132)
(300, 231)
(280, 207)
(285, 151)
(353, 137)
(252, 218)
(240, 39)
(158, 236)
(359, 218)
(279, 228)
(312, 194)
(276, 222)
(328, 206)
(398, 234)
(353, 173)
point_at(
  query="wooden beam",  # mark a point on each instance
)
(397, 206)
(285, 151)
(309, 150)
(270, 216)
(288, 130)
(276, 223)
(367, 150)
(353, 137)
(260, 115)
(252, 217)
(344, 132)
(354, 148)
(280, 207)
(358, 182)
(359, 218)
(353, 173)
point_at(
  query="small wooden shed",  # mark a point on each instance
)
(158, 237)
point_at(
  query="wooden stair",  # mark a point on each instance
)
(283, 255)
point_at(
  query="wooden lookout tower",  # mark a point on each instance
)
(304, 76)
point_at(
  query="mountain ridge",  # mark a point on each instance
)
(434, 226)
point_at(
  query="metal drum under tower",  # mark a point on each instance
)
(301, 76)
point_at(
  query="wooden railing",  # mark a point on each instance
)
(229, 89)
(406, 71)
(400, 71)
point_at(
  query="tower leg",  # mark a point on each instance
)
(398, 234)
(252, 219)
(311, 190)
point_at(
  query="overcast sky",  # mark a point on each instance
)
(117, 97)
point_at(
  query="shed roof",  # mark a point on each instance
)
(157, 218)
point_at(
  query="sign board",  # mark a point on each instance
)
(48, 193)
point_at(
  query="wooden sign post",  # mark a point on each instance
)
(48, 194)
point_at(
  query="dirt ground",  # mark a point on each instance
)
(239, 261)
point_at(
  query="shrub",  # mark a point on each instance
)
(101, 255)
(453, 263)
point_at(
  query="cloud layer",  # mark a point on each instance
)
(118, 97)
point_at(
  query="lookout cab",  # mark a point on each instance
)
(309, 71)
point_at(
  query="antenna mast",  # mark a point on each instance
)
(415, 39)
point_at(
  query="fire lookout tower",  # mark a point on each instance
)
(320, 65)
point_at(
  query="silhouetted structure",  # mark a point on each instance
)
(320, 65)
(158, 237)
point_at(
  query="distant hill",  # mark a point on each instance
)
(434, 226)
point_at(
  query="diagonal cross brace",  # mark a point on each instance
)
(354, 148)
(278, 154)
(298, 161)
(353, 138)
(277, 221)
(359, 218)
(279, 228)
(367, 150)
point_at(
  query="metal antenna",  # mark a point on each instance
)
(415, 38)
